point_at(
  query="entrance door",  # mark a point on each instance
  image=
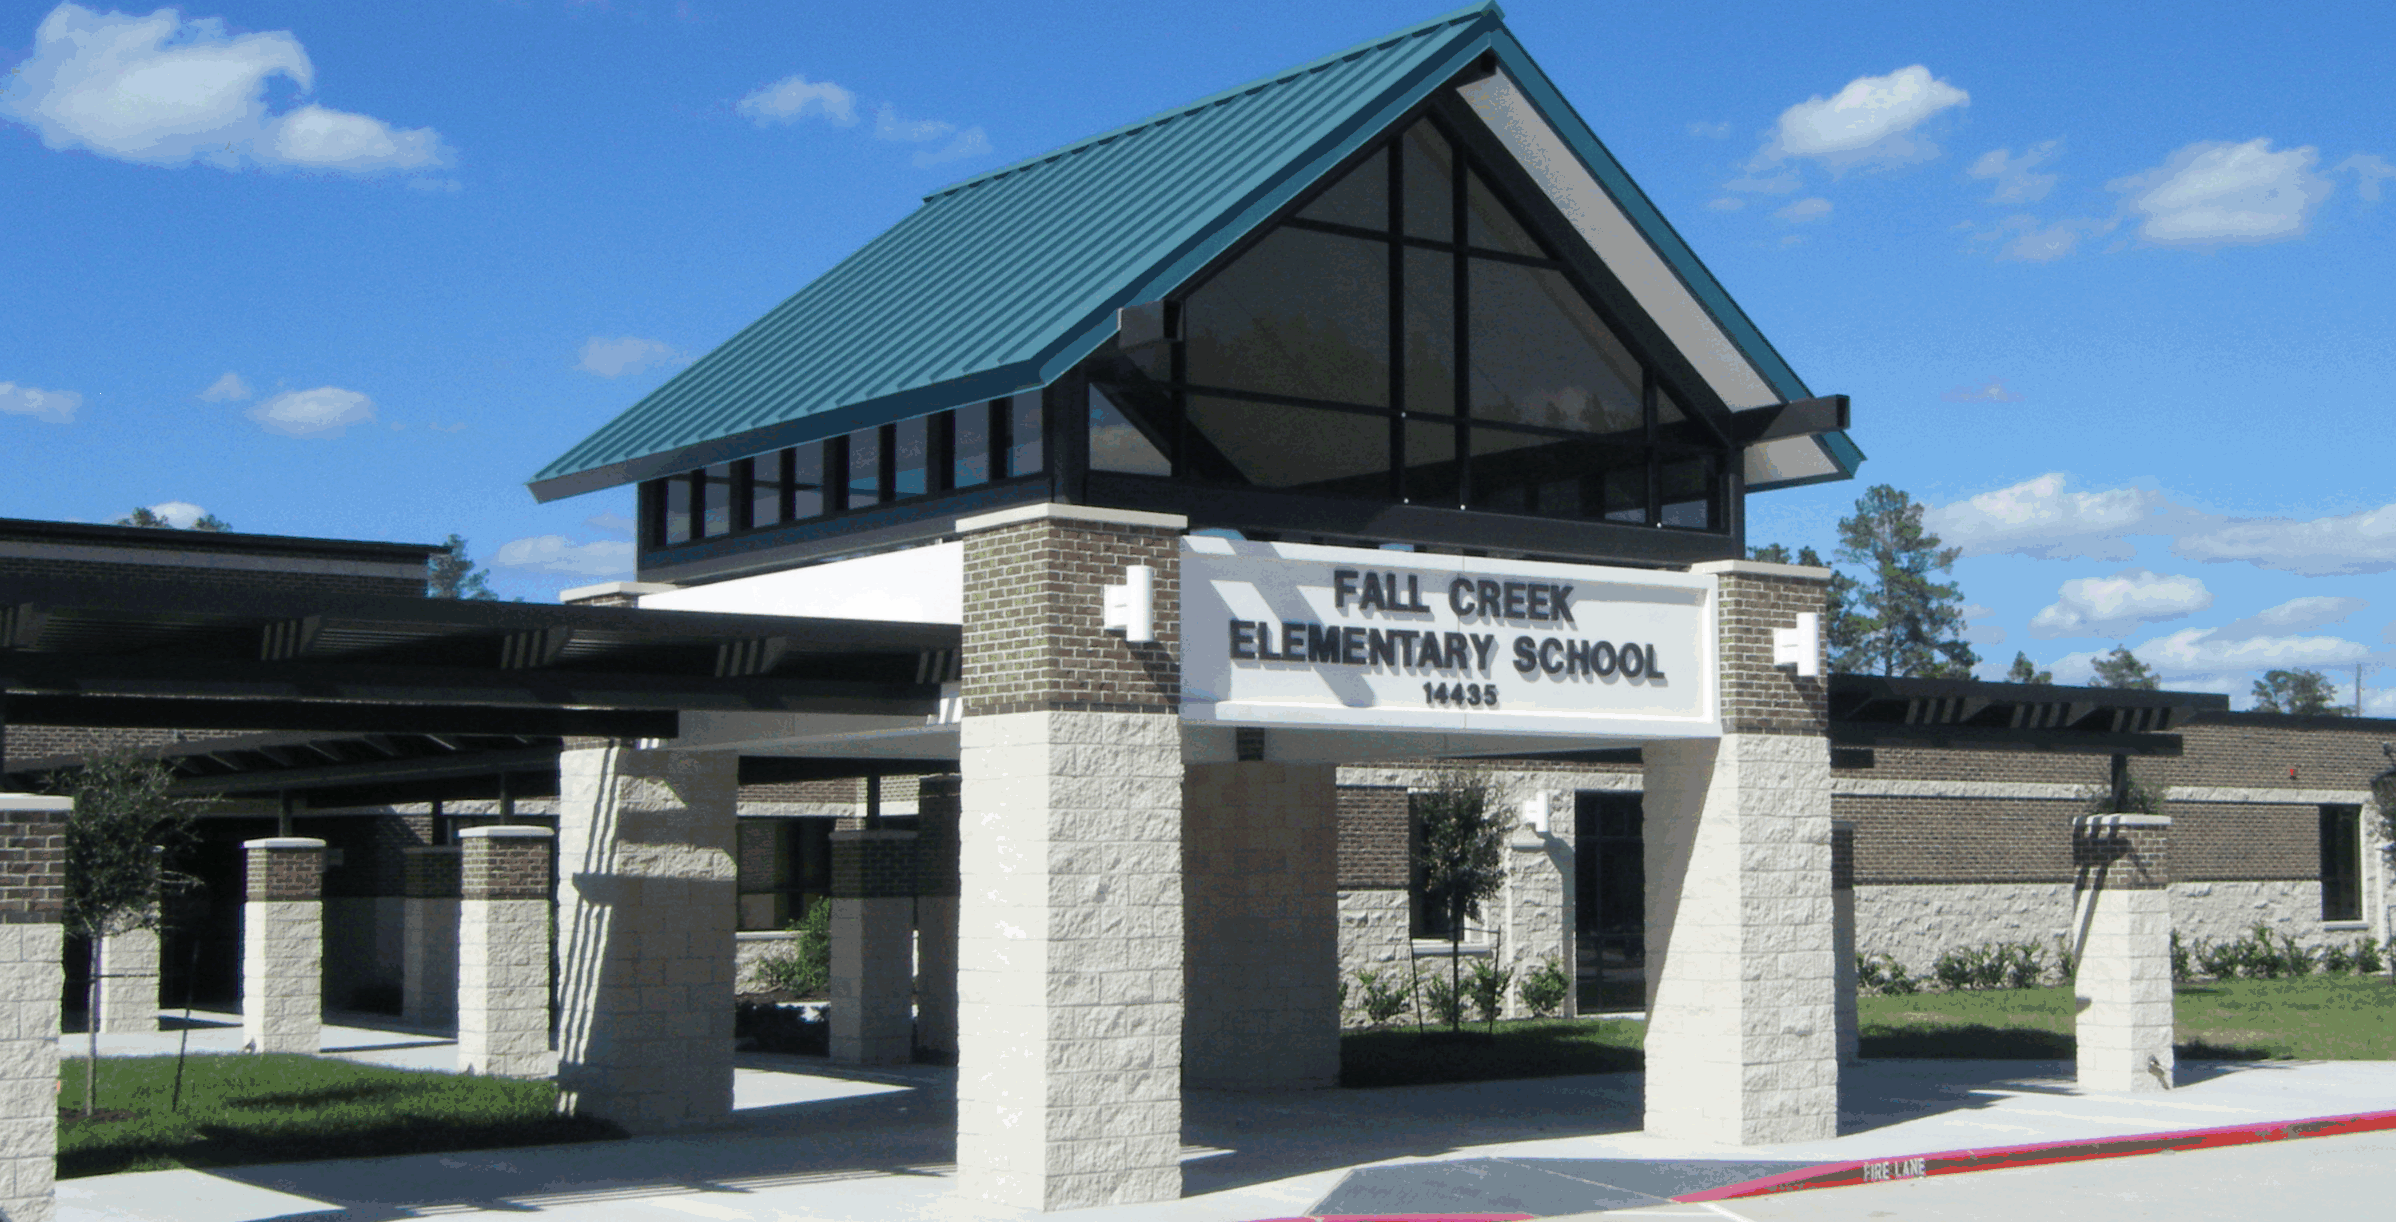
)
(1610, 856)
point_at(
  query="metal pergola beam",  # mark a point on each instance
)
(335, 717)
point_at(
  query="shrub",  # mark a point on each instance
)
(2337, 957)
(1383, 998)
(1443, 1000)
(2220, 960)
(2024, 966)
(2295, 960)
(806, 969)
(2183, 967)
(1487, 988)
(1545, 989)
(2367, 957)
(1884, 975)
(1991, 965)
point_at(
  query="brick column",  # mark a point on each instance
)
(33, 897)
(428, 988)
(1742, 1044)
(503, 951)
(282, 945)
(1536, 921)
(1842, 935)
(873, 947)
(1069, 917)
(2121, 934)
(1260, 904)
(645, 907)
(936, 815)
(129, 982)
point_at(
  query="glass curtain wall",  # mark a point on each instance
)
(1407, 337)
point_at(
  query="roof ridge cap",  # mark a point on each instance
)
(1475, 12)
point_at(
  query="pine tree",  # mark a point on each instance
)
(1901, 621)
(2024, 672)
(2306, 693)
(2121, 668)
(451, 574)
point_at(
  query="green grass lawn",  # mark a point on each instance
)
(284, 1108)
(2313, 1018)
(1532, 1048)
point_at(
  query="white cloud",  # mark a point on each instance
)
(794, 97)
(2295, 615)
(2199, 651)
(1993, 391)
(1811, 208)
(612, 523)
(2213, 192)
(2029, 240)
(1871, 120)
(2322, 547)
(48, 406)
(1725, 203)
(613, 358)
(2041, 518)
(2017, 179)
(1710, 131)
(326, 411)
(1976, 630)
(558, 554)
(2368, 169)
(971, 142)
(227, 389)
(179, 514)
(165, 91)
(2114, 606)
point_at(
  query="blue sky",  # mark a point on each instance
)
(2112, 292)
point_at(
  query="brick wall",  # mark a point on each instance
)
(283, 873)
(1958, 840)
(504, 867)
(2214, 841)
(1033, 609)
(33, 866)
(2118, 854)
(1374, 826)
(1758, 697)
(2256, 751)
(873, 865)
(430, 872)
(1912, 764)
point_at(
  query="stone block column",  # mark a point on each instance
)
(2121, 927)
(645, 916)
(1536, 921)
(33, 897)
(1069, 915)
(936, 815)
(503, 951)
(1742, 1043)
(1842, 936)
(282, 945)
(873, 947)
(129, 982)
(428, 988)
(1260, 898)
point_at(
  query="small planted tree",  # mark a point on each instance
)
(122, 838)
(1464, 817)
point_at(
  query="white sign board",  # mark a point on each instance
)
(1334, 637)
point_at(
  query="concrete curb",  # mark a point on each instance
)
(1998, 1158)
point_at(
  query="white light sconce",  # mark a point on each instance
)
(1535, 812)
(1800, 646)
(1132, 605)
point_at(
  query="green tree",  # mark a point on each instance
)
(1464, 818)
(2121, 668)
(1899, 620)
(2024, 672)
(2304, 692)
(1842, 628)
(123, 838)
(450, 574)
(143, 515)
(212, 523)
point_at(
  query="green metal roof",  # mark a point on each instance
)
(1004, 281)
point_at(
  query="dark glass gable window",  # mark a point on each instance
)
(909, 460)
(1407, 336)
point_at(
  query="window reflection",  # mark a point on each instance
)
(807, 481)
(1118, 444)
(865, 468)
(716, 511)
(1541, 356)
(1428, 167)
(1430, 331)
(972, 447)
(765, 489)
(1490, 224)
(678, 509)
(1265, 445)
(911, 473)
(1360, 199)
(1304, 314)
(1023, 434)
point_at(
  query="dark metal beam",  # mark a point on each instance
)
(1999, 738)
(1802, 418)
(336, 717)
(785, 769)
(431, 767)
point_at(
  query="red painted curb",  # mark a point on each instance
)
(1994, 1158)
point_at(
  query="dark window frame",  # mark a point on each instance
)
(2341, 862)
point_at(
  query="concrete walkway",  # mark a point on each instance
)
(813, 1143)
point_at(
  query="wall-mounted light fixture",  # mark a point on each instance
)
(1132, 605)
(1800, 646)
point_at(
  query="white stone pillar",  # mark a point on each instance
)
(282, 945)
(428, 987)
(1069, 922)
(1537, 908)
(129, 982)
(645, 915)
(1260, 899)
(32, 901)
(1842, 936)
(503, 951)
(2121, 927)
(873, 947)
(936, 814)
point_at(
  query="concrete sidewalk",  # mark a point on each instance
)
(813, 1143)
